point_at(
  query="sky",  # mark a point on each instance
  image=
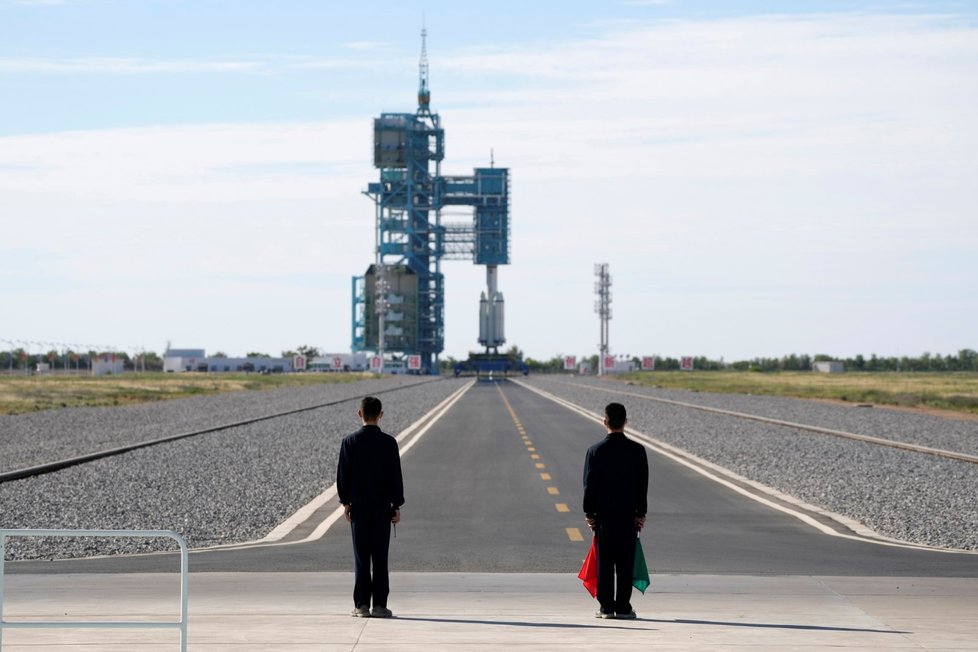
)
(762, 177)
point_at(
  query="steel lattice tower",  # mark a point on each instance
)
(602, 306)
(411, 240)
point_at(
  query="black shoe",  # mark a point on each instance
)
(631, 615)
(360, 612)
(381, 612)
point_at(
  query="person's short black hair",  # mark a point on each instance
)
(370, 407)
(615, 414)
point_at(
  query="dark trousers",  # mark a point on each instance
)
(371, 542)
(616, 556)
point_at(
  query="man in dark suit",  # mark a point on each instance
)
(616, 483)
(370, 487)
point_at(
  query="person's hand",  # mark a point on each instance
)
(396, 518)
(591, 522)
(346, 513)
(639, 523)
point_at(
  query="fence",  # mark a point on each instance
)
(39, 624)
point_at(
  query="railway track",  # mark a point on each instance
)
(878, 441)
(51, 467)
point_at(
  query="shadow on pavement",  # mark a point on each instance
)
(813, 628)
(516, 623)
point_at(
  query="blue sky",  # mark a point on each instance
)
(761, 180)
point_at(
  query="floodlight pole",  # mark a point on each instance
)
(602, 287)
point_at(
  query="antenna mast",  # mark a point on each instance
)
(424, 93)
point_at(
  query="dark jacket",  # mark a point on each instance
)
(616, 478)
(368, 476)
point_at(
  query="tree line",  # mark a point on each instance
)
(964, 360)
(20, 359)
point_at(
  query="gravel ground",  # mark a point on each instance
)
(38, 437)
(229, 486)
(223, 487)
(959, 434)
(908, 496)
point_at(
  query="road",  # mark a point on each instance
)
(495, 486)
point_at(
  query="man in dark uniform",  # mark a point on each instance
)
(616, 481)
(370, 487)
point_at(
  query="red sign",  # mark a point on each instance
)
(609, 362)
(570, 362)
(414, 362)
(299, 363)
(337, 363)
(375, 362)
(648, 363)
(686, 363)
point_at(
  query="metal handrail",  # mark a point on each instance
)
(181, 625)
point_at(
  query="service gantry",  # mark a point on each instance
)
(399, 304)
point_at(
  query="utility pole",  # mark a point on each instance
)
(602, 288)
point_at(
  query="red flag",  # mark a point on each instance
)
(589, 570)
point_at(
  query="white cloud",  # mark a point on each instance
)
(754, 183)
(121, 65)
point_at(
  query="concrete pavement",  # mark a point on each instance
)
(299, 612)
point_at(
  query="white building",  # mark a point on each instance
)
(340, 362)
(829, 367)
(106, 364)
(180, 360)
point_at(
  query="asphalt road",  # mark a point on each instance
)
(495, 486)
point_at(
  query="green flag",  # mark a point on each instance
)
(640, 572)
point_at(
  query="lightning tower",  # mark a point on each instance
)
(602, 306)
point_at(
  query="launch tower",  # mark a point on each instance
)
(399, 303)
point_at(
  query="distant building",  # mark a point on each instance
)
(829, 367)
(182, 360)
(106, 364)
(616, 365)
(341, 362)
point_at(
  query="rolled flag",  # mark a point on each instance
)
(589, 570)
(640, 572)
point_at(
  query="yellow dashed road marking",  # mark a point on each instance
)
(573, 533)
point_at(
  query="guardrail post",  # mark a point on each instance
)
(146, 534)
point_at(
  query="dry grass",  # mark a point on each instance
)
(944, 391)
(19, 394)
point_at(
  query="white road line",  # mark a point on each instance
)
(734, 481)
(879, 441)
(415, 431)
